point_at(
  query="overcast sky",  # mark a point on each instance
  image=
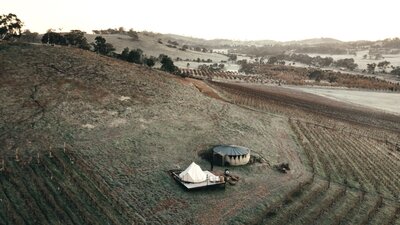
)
(280, 20)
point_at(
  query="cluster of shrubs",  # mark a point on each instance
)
(299, 76)
(10, 28)
(316, 61)
(195, 60)
(131, 33)
(319, 61)
(137, 56)
(76, 38)
(276, 49)
(396, 71)
(175, 44)
(212, 67)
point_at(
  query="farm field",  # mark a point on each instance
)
(52, 189)
(362, 63)
(195, 65)
(385, 101)
(289, 101)
(95, 134)
(355, 178)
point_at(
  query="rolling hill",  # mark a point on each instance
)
(148, 42)
(89, 139)
(92, 137)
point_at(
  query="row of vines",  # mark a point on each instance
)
(355, 179)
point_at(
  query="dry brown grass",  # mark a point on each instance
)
(65, 95)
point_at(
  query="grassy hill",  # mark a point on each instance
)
(148, 42)
(87, 139)
(216, 43)
(315, 41)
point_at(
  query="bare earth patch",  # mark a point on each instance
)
(388, 102)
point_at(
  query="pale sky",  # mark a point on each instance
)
(280, 20)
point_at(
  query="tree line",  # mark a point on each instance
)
(316, 61)
(76, 38)
(121, 30)
(11, 30)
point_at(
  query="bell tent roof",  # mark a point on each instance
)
(193, 174)
(232, 150)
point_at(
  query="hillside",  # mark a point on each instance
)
(89, 139)
(86, 134)
(220, 43)
(314, 41)
(148, 42)
(217, 43)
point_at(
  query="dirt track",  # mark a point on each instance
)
(314, 104)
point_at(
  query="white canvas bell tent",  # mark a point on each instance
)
(193, 174)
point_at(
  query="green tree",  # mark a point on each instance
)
(101, 46)
(77, 38)
(396, 71)
(322, 62)
(121, 30)
(391, 43)
(332, 78)
(232, 57)
(125, 54)
(247, 68)
(371, 67)
(133, 34)
(150, 62)
(136, 56)
(383, 65)
(272, 60)
(316, 75)
(346, 63)
(168, 64)
(10, 26)
(53, 38)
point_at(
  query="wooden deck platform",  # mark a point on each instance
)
(190, 186)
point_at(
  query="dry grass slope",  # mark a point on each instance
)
(150, 46)
(125, 125)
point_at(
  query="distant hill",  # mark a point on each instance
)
(218, 43)
(150, 45)
(315, 41)
(226, 42)
(154, 44)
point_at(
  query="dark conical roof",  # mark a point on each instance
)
(230, 150)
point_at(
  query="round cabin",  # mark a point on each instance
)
(230, 155)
